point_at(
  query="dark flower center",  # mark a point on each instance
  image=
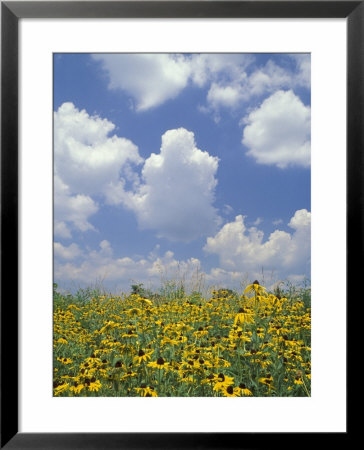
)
(160, 361)
(141, 353)
(230, 390)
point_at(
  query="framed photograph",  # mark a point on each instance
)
(160, 165)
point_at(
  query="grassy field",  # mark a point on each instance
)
(254, 343)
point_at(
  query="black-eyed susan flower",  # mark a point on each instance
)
(244, 390)
(145, 301)
(60, 388)
(94, 385)
(76, 388)
(143, 356)
(243, 316)
(230, 391)
(222, 381)
(159, 364)
(130, 334)
(146, 391)
(268, 380)
(255, 288)
(65, 361)
(134, 312)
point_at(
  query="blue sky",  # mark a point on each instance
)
(193, 166)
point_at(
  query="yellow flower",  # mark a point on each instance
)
(77, 388)
(94, 386)
(134, 312)
(142, 356)
(243, 317)
(61, 341)
(64, 360)
(231, 391)
(61, 388)
(146, 391)
(145, 301)
(244, 390)
(255, 288)
(159, 364)
(222, 381)
(267, 381)
(130, 334)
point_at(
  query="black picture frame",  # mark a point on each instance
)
(11, 12)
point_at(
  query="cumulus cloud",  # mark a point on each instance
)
(75, 209)
(210, 66)
(150, 79)
(174, 194)
(220, 95)
(279, 131)
(64, 252)
(60, 229)
(303, 65)
(87, 162)
(242, 249)
(269, 78)
(177, 193)
(103, 265)
(86, 158)
(241, 86)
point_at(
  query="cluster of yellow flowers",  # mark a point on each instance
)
(256, 344)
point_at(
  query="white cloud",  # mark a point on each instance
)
(278, 132)
(174, 196)
(63, 252)
(242, 249)
(177, 194)
(208, 66)
(61, 230)
(75, 209)
(239, 87)
(150, 79)
(303, 64)
(102, 265)
(87, 162)
(269, 78)
(86, 158)
(225, 96)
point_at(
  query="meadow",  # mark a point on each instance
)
(228, 344)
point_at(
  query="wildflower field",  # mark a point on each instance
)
(253, 344)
